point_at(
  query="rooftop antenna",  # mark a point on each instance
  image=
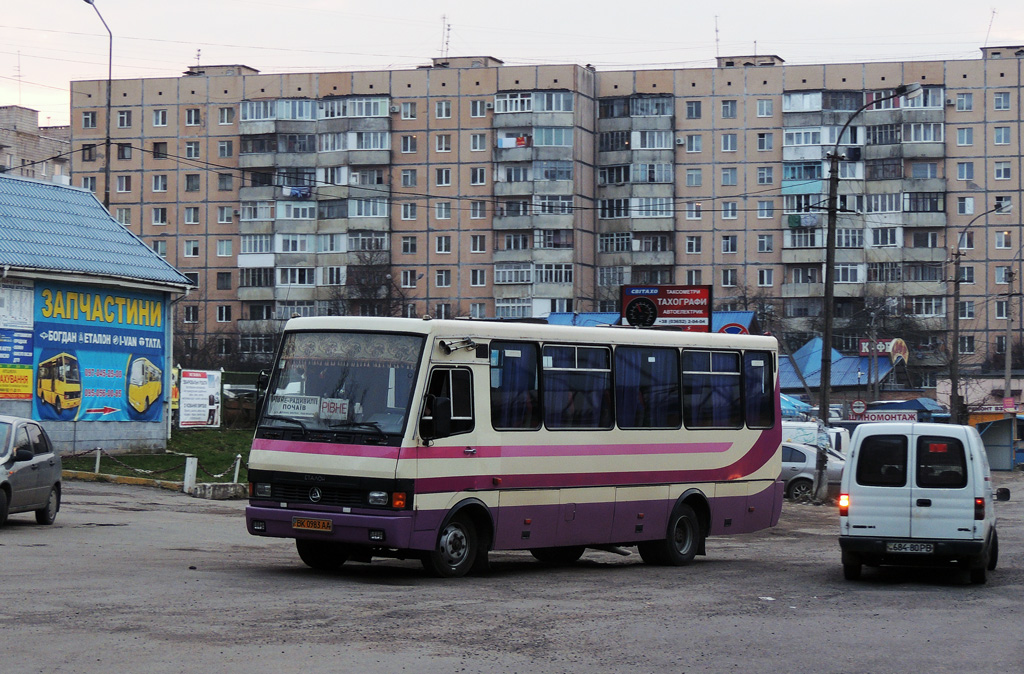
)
(17, 76)
(446, 32)
(990, 22)
(716, 36)
(198, 53)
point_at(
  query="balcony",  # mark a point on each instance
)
(514, 188)
(793, 290)
(255, 294)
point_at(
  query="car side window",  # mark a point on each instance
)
(39, 441)
(941, 463)
(883, 461)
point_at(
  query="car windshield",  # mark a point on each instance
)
(5, 433)
(343, 380)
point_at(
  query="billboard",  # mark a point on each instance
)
(16, 300)
(98, 353)
(684, 307)
(199, 399)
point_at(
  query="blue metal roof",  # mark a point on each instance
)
(844, 368)
(56, 229)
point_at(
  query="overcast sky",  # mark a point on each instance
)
(45, 45)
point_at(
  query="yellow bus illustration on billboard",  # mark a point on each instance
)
(58, 382)
(145, 384)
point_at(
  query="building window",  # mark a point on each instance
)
(1001, 100)
(1003, 203)
(408, 177)
(692, 109)
(693, 277)
(408, 211)
(443, 210)
(965, 136)
(765, 107)
(765, 243)
(728, 142)
(192, 117)
(966, 345)
(478, 142)
(191, 313)
(159, 183)
(729, 278)
(477, 176)
(88, 152)
(225, 148)
(295, 276)
(443, 142)
(408, 144)
(765, 209)
(223, 247)
(477, 277)
(729, 109)
(124, 183)
(443, 278)
(191, 247)
(964, 102)
(124, 119)
(693, 244)
(443, 244)
(159, 216)
(160, 247)
(765, 175)
(160, 150)
(224, 313)
(1003, 275)
(478, 243)
(124, 150)
(1001, 307)
(192, 182)
(765, 141)
(965, 170)
(191, 215)
(89, 119)
(694, 142)
(224, 214)
(730, 210)
(443, 177)
(408, 278)
(192, 149)
(729, 175)
(765, 278)
(225, 116)
(1004, 240)
(730, 243)
(1001, 135)
(1003, 171)
(965, 205)
(124, 216)
(224, 182)
(693, 210)
(477, 210)
(443, 109)
(477, 108)
(694, 177)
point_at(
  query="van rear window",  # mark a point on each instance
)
(883, 461)
(941, 463)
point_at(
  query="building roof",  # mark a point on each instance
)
(49, 228)
(845, 369)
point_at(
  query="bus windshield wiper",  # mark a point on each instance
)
(305, 431)
(359, 424)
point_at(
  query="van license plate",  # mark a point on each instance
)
(311, 524)
(911, 548)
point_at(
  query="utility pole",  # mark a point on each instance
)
(1007, 355)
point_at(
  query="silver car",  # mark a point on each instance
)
(29, 471)
(799, 463)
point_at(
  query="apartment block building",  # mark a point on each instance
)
(32, 151)
(471, 188)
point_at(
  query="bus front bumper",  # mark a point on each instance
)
(392, 530)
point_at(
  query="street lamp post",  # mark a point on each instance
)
(825, 380)
(955, 401)
(110, 73)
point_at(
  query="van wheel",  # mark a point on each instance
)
(993, 552)
(978, 576)
(48, 513)
(680, 546)
(321, 555)
(800, 490)
(558, 556)
(456, 549)
(851, 566)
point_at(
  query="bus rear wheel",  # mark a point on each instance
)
(558, 556)
(456, 549)
(321, 555)
(683, 539)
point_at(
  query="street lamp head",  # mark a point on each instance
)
(912, 90)
(89, 2)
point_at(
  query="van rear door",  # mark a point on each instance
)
(881, 500)
(942, 505)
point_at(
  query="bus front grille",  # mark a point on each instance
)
(329, 495)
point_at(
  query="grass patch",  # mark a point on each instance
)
(216, 449)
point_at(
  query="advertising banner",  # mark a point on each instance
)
(16, 298)
(685, 307)
(199, 399)
(99, 354)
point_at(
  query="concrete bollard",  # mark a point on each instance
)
(191, 464)
(99, 452)
(238, 465)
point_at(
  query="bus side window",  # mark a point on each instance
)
(455, 384)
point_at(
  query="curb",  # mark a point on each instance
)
(217, 491)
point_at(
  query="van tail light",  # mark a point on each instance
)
(844, 505)
(979, 508)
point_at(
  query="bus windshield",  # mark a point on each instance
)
(332, 380)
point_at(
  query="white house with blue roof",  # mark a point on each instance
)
(85, 320)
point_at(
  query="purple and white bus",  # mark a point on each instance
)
(445, 439)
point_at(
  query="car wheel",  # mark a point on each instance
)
(680, 546)
(851, 571)
(3, 507)
(321, 555)
(456, 549)
(48, 513)
(800, 490)
(993, 552)
(558, 556)
(978, 575)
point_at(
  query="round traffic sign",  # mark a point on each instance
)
(858, 407)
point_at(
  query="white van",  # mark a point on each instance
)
(918, 494)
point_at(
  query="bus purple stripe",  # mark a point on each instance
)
(367, 451)
(519, 451)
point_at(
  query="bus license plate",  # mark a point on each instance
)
(311, 524)
(911, 548)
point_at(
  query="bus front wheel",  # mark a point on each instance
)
(681, 543)
(321, 555)
(456, 549)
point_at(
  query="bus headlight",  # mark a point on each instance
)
(262, 490)
(379, 498)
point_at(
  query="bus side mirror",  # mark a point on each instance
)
(439, 422)
(262, 380)
(1002, 494)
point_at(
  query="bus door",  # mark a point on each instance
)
(448, 421)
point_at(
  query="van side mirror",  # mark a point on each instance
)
(24, 455)
(1002, 494)
(437, 418)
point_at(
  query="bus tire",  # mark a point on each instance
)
(558, 556)
(321, 555)
(681, 542)
(456, 549)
